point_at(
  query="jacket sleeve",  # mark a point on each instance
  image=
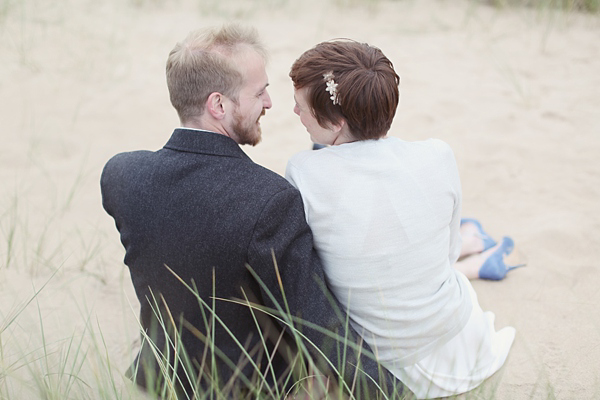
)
(282, 240)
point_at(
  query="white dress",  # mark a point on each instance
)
(463, 363)
(385, 215)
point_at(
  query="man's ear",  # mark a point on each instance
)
(215, 105)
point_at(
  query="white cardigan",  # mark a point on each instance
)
(385, 215)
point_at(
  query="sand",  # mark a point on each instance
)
(515, 92)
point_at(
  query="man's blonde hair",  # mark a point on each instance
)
(204, 63)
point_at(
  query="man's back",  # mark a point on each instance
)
(203, 209)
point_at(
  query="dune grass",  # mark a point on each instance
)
(592, 6)
(79, 367)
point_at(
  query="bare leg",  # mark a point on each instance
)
(489, 264)
(472, 254)
(471, 264)
(472, 243)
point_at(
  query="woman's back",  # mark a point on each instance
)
(382, 212)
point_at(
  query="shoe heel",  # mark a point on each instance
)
(515, 266)
(494, 268)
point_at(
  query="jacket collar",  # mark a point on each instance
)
(204, 142)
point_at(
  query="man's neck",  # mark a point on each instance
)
(189, 128)
(204, 126)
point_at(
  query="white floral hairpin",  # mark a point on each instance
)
(331, 87)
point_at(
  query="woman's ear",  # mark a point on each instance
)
(215, 105)
(338, 126)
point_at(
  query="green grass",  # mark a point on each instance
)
(79, 367)
(302, 366)
(592, 6)
(8, 226)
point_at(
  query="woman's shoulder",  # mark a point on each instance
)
(301, 156)
(435, 147)
(307, 158)
(302, 159)
(305, 163)
(438, 144)
(427, 146)
(431, 143)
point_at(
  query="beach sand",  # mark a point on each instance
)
(514, 91)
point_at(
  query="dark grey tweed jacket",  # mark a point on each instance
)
(201, 207)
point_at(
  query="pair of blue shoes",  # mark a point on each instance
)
(494, 268)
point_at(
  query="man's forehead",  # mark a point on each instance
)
(255, 75)
(246, 55)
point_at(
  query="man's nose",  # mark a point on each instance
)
(267, 101)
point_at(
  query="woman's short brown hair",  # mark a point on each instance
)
(367, 86)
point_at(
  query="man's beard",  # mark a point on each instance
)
(249, 133)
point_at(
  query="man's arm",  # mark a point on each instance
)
(282, 231)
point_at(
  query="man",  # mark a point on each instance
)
(207, 232)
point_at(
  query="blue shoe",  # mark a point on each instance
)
(488, 242)
(494, 267)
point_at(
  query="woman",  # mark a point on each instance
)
(385, 215)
